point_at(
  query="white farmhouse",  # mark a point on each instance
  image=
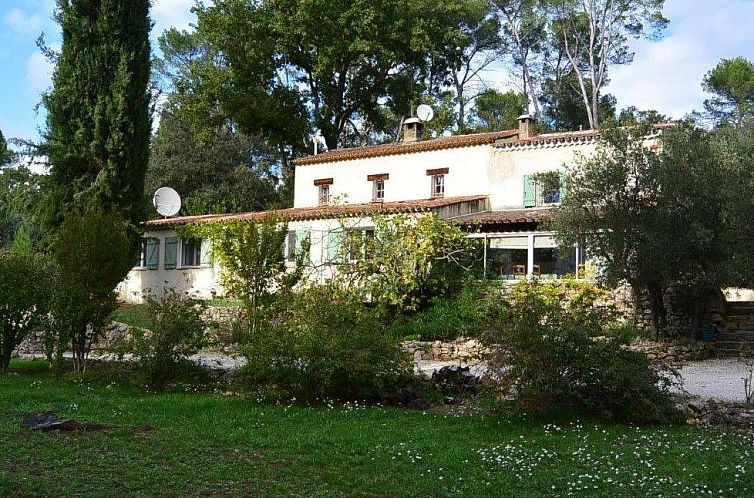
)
(486, 180)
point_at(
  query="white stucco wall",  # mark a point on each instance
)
(201, 283)
(408, 176)
(505, 173)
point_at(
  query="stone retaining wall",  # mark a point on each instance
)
(463, 349)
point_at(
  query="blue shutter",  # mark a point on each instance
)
(171, 253)
(530, 191)
(334, 242)
(206, 253)
(153, 254)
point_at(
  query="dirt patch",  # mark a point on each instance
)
(49, 421)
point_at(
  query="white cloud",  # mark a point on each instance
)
(172, 13)
(666, 75)
(23, 23)
(39, 72)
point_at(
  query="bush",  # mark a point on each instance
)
(24, 297)
(178, 332)
(563, 351)
(448, 318)
(325, 343)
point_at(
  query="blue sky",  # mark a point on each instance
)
(665, 75)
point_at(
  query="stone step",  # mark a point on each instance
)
(732, 346)
(740, 336)
(734, 306)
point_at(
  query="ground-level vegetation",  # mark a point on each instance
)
(214, 443)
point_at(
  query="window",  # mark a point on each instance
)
(191, 253)
(378, 186)
(324, 195)
(378, 191)
(143, 254)
(149, 253)
(544, 189)
(438, 181)
(358, 243)
(438, 185)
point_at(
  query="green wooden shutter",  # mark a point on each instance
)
(530, 191)
(334, 242)
(153, 254)
(301, 236)
(206, 253)
(563, 185)
(171, 253)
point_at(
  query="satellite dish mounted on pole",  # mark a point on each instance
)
(166, 201)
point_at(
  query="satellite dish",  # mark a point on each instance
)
(425, 112)
(166, 201)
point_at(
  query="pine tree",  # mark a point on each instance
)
(98, 121)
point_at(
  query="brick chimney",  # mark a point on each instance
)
(525, 126)
(413, 130)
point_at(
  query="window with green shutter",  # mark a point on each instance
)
(530, 191)
(334, 242)
(206, 253)
(301, 236)
(171, 253)
(563, 185)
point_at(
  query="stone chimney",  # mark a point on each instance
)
(525, 126)
(413, 130)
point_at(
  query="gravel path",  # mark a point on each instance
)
(721, 379)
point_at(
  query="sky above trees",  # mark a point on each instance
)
(666, 74)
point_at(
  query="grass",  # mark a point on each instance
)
(212, 444)
(133, 315)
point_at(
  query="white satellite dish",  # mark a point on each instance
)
(425, 112)
(166, 201)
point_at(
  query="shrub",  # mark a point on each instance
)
(178, 332)
(325, 343)
(563, 351)
(447, 318)
(24, 297)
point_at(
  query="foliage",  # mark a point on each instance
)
(92, 254)
(732, 83)
(563, 105)
(386, 55)
(327, 344)
(495, 111)
(667, 216)
(595, 35)
(408, 261)
(19, 200)
(6, 155)
(177, 332)
(563, 351)
(449, 317)
(216, 170)
(24, 299)
(98, 115)
(252, 261)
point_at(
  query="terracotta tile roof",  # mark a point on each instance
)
(323, 212)
(392, 149)
(563, 138)
(532, 215)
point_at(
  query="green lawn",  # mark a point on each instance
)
(214, 445)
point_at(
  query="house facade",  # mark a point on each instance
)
(492, 182)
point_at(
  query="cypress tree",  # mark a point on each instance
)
(98, 112)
